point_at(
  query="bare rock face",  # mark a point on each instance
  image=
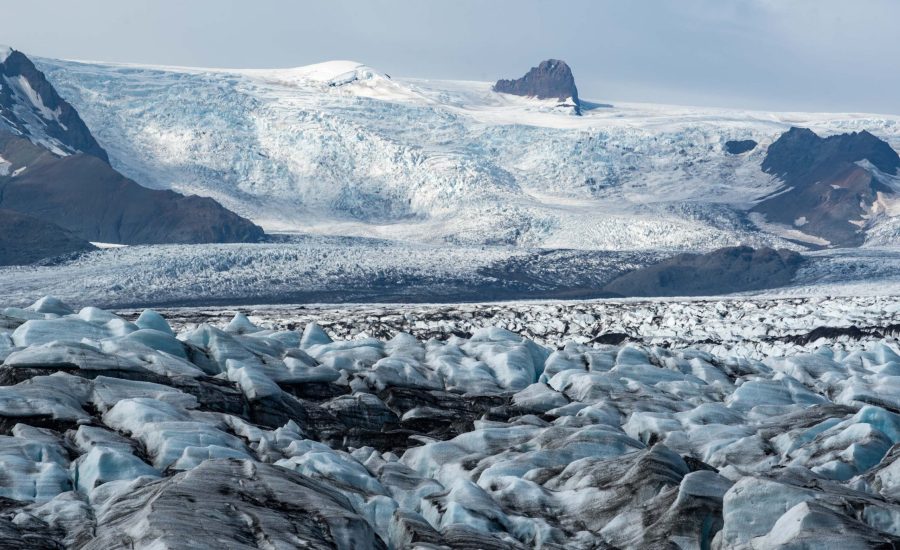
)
(30, 107)
(831, 183)
(84, 195)
(552, 79)
(732, 269)
(800, 156)
(739, 147)
(25, 239)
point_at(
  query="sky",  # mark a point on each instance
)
(784, 55)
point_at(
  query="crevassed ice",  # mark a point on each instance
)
(491, 439)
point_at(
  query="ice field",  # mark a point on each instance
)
(340, 148)
(122, 431)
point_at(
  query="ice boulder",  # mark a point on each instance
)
(539, 398)
(313, 335)
(96, 315)
(102, 464)
(514, 362)
(288, 508)
(51, 305)
(33, 470)
(240, 324)
(152, 320)
(809, 525)
(67, 329)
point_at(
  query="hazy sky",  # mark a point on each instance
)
(835, 55)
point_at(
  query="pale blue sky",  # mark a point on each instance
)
(835, 55)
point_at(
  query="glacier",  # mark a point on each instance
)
(408, 403)
(191, 428)
(340, 148)
(323, 269)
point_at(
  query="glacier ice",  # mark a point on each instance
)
(115, 428)
(342, 148)
(101, 465)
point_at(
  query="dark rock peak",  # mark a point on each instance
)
(739, 147)
(552, 79)
(800, 156)
(826, 193)
(796, 132)
(31, 107)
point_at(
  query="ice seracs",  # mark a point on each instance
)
(484, 440)
(430, 160)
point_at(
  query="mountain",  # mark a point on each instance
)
(30, 107)
(723, 271)
(52, 168)
(340, 148)
(552, 79)
(25, 239)
(800, 157)
(830, 184)
(86, 196)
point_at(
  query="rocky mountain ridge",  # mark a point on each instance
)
(31, 107)
(86, 196)
(722, 271)
(26, 239)
(551, 79)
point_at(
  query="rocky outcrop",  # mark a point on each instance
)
(25, 239)
(552, 79)
(726, 270)
(739, 147)
(800, 157)
(830, 184)
(87, 197)
(30, 107)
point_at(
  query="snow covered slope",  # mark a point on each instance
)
(53, 171)
(341, 148)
